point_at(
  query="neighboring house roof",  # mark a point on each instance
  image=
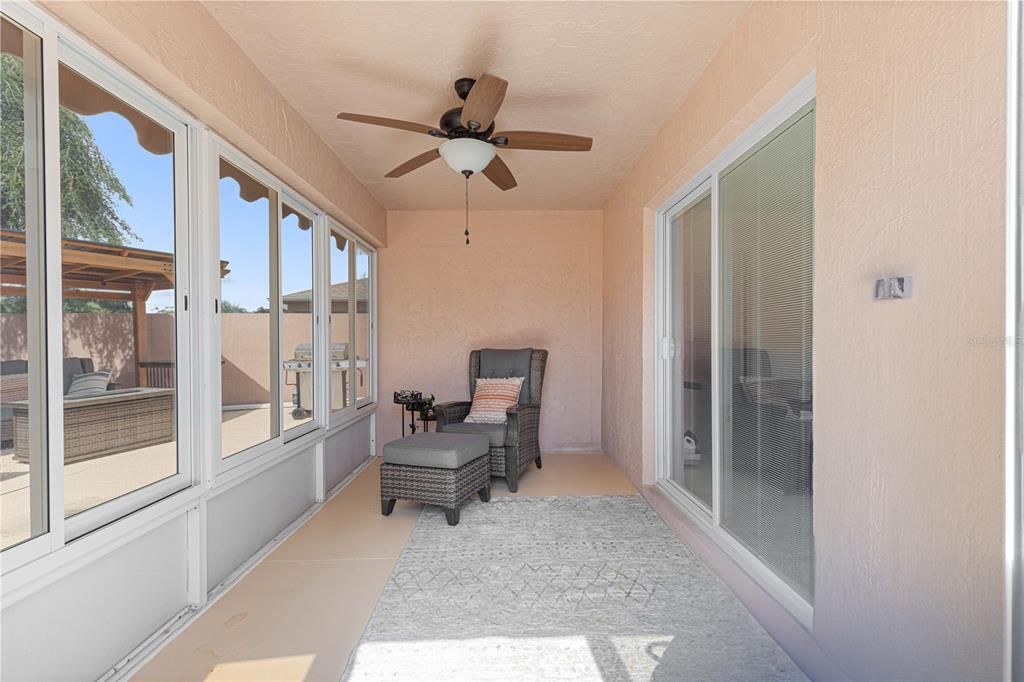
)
(299, 301)
(339, 292)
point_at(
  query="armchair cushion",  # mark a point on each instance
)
(495, 432)
(501, 363)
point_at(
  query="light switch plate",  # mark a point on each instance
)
(893, 287)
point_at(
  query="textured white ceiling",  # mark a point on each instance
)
(613, 71)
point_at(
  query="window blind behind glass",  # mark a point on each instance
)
(767, 233)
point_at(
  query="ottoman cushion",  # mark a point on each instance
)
(438, 450)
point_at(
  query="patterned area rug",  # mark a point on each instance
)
(559, 588)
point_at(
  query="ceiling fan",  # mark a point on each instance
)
(469, 133)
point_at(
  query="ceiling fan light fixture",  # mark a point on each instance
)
(466, 154)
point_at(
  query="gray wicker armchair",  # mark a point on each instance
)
(514, 444)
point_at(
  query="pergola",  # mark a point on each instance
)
(95, 271)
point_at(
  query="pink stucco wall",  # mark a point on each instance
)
(245, 346)
(106, 338)
(908, 403)
(528, 278)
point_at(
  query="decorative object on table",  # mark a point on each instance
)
(445, 469)
(415, 404)
(426, 412)
(515, 443)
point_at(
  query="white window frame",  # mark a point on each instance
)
(371, 305)
(317, 242)
(706, 187)
(344, 414)
(39, 545)
(244, 463)
(710, 520)
(358, 407)
(217, 149)
(40, 561)
(127, 90)
(128, 511)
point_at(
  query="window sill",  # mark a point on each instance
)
(25, 580)
(243, 471)
(343, 419)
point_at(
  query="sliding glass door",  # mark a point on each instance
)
(766, 209)
(736, 285)
(692, 438)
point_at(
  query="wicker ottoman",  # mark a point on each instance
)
(444, 469)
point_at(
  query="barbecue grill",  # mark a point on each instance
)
(302, 365)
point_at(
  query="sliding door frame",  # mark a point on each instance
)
(1013, 645)
(665, 347)
(670, 394)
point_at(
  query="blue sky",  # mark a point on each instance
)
(244, 225)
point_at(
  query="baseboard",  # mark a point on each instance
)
(784, 628)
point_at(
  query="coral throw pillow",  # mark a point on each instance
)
(491, 398)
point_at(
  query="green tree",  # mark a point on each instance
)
(90, 189)
(229, 307)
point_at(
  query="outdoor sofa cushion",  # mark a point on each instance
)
(88, 384)
(437, 450)
(73, 366)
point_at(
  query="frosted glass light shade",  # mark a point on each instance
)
(466, 154)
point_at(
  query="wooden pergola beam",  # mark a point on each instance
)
(140, 294)
(6, 290)
(99, 260)
(68, 283)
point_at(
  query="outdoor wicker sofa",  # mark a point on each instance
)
(12, 371)
(104, 423)
(515, 443)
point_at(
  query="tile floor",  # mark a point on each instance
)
(301, 611)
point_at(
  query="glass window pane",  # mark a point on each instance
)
(23, 468)
(297, 376)
(692, 386)
(341, 293)
(363, 306)
(118, 223)
(247, 335)
(767, 232)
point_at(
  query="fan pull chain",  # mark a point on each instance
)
(467, 209)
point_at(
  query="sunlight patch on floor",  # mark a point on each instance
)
(579, 657)
(269, 669)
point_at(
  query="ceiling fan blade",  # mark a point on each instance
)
(414, 163)
(483, 102)
(392, 123)
(548, 142)
(498, 173)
